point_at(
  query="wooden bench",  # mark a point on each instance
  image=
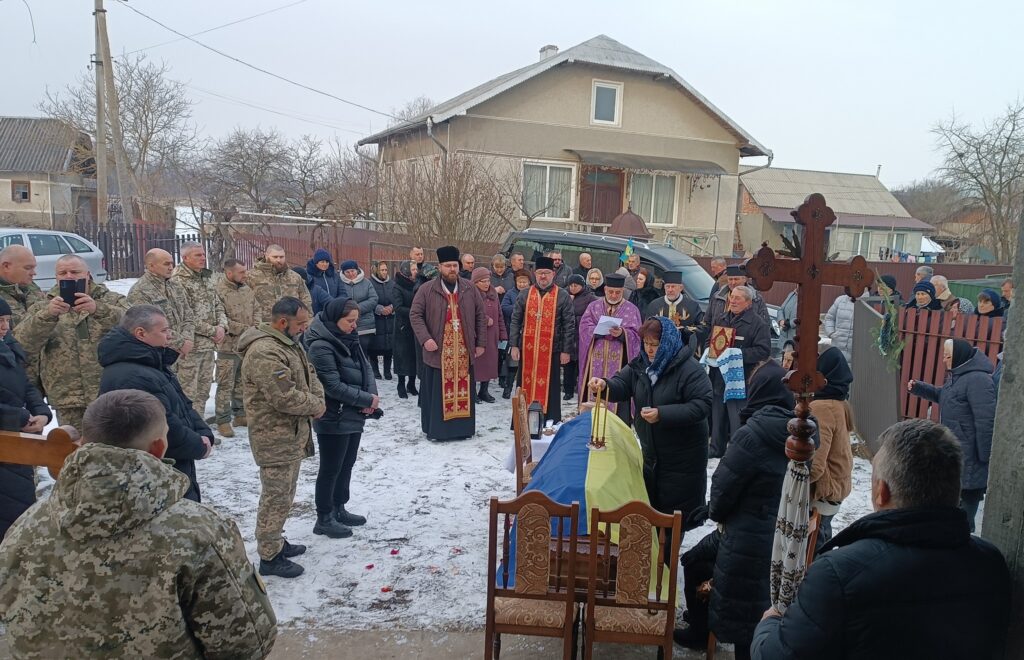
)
(49, 451)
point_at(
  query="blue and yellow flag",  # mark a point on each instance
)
(628, 251)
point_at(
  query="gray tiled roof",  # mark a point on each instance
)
(855, 194)
(600, 51)
(36, 144)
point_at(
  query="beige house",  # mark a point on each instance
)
(870, 220)
(47, 176)
(587, 133)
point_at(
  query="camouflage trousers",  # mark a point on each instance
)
(277, 491)
(195, 373)
(71, 417)
(229, 387)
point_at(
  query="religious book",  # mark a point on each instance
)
(721, 339)
(606, 323)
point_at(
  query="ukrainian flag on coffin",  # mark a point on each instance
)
(571, 471)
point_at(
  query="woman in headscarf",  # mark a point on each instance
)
(967, 405)
(485, 368)
(645, 292)
(990, 303)
(832, 469)
(405, 340)
(672, 395)
(924, 297)
(595, 280)
(383, 342)
(350, 392)
(745, 493)
(524, 279)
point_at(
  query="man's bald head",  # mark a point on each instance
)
(160, 263)
(17, 265)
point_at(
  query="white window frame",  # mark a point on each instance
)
(857, 246)
(608, 84)
(647, 214)
(572, 187)
(892, 241)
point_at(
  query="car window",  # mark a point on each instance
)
(43, 245)
(77, 244)
(606, 260)
(529, 249)
(11, 239)
(696, 282)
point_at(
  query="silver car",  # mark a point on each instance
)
(48, 246)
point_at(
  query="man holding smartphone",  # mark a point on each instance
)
(62, 332)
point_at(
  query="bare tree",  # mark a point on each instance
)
(249, 168)
(307, 178)
(156, 117)
(986, 166)
(931, 200)
(411, 109)
(354, 182)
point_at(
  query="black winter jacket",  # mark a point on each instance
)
(384, 338)
(405, 339)
(753, 337)
(745, 492)
(129, 364)
(347, 378)
(19, 400)
(903, 584)
(676, 447)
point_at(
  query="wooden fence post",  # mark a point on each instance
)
(1003, 523)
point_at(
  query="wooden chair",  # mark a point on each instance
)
(542, 601)
(624, 611)
(523, 443)
(704, 590)
(31, 449)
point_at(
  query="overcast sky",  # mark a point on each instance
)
(826, 85)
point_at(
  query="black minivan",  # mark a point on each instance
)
(606, 250)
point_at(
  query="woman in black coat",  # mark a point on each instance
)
(350, 390)
(404, 339)
(21, 409)
(645, 292)
(382, 344)
(672, 395)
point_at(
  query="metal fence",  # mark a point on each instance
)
(125, 245)
(875, 394)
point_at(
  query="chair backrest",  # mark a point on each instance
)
(639, 528)
(49, 451)
(544, 570)
(521, 438)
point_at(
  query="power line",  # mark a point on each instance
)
(218, 27)
(251, 104)
(254, 67)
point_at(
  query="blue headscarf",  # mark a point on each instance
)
(670, 344)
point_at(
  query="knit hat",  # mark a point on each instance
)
(992, 295)
(5, 309)
(480, 273)
(349, 264)
(322, 255)
(575, 279)
(928, 287)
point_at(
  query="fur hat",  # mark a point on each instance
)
(544, 263)
(447, 254)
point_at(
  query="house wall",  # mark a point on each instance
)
(843, 241)
(52, 205)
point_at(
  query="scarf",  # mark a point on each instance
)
(962, 352)
(670, 344)
(356, 280)
(766, 388)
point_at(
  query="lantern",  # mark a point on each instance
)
(535, 419)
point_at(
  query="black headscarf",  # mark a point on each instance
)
(962, 352)
(766, 388)
(833, 366)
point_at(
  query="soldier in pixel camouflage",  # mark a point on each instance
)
(271, 279)
(240, 308)
(17, 270)
(116, 563)
(156, 287)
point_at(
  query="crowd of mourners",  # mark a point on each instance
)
(296, 349)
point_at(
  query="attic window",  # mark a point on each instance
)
(606, 103)
(21, 191)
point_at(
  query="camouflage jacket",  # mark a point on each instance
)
(202, 298)
(270, 286)
(117, 564)
(20, 298)
(168, 296)
(240, 308)
(66, 345)
(281, 393)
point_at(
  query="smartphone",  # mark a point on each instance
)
(68, 289)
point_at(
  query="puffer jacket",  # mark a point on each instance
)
(361, 290)
(384, 334)
(745, 492)
(405, 339)
(838, 324)
(345, 374)
(967, 404)
(329, 280)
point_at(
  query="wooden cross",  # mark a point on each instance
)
(810, 272)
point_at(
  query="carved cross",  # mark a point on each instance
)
(810, 272)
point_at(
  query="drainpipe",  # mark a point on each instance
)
(430, 134)
(49, 195)
(739, 194)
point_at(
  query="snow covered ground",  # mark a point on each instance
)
(425, 500)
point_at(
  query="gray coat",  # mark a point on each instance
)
(968, 408)
(839, 324)
(787, 312)
(361, 290)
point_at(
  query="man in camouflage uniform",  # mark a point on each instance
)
(271, 279)
(63, 336)
(240, 309)
(282, 393)
(156, 287)
(195, 371)
(17, 270)
(117, 563)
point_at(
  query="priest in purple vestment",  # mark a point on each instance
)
(602, 355)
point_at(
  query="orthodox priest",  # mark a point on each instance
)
(684, 312)
(448, 318)
(543, 338)
(609, 339)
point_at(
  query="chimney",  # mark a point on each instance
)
(548, 51)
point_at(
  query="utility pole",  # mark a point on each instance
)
(124, 177)
(1003, 523)
(100, 149)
